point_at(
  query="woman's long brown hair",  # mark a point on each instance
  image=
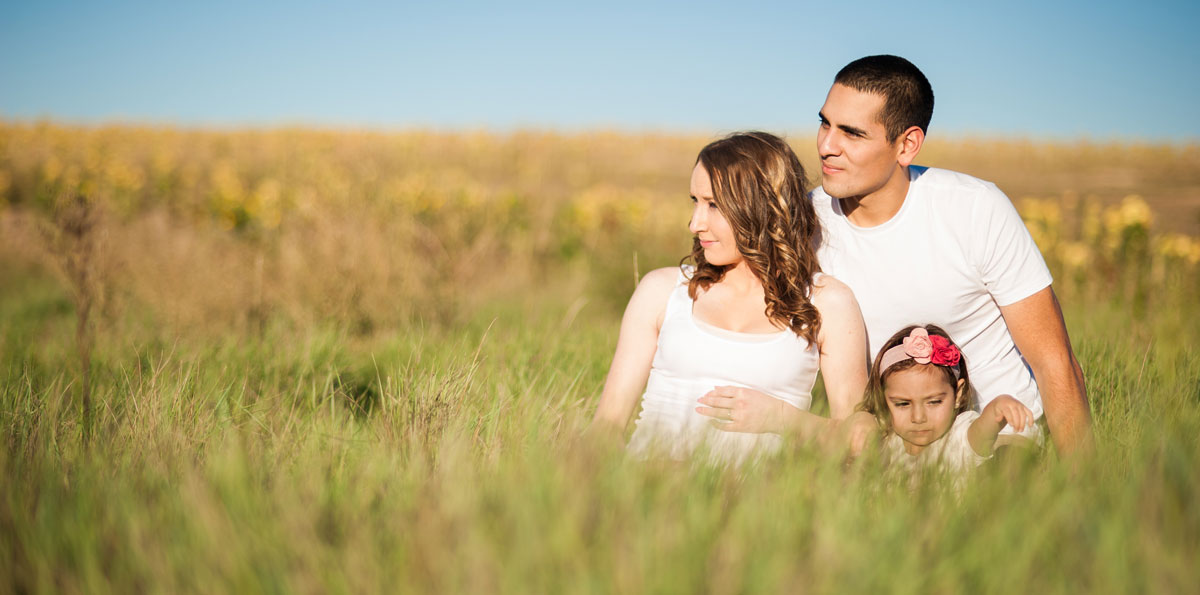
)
(759, 186)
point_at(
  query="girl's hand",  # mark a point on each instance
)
(1005, 409)
(739, 409)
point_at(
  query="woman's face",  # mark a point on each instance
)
(709, 225)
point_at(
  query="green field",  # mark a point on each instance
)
(346, 361)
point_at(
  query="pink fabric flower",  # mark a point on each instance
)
(918, 346)
(944, 353)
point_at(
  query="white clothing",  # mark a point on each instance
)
(693, 358)
(955, 252)
(951, 453)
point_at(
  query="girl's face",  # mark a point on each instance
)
(709, 225)
(922, 404)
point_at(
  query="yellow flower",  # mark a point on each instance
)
(1179, 246)
(1075, 255)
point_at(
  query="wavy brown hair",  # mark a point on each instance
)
(759, 186)
(875, 402)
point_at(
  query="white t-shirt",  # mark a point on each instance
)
(952, 453)
(954, 253)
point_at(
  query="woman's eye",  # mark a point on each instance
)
(712, 205)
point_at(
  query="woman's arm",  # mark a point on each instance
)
(843, 344)
(1000, 411)
(635, 349)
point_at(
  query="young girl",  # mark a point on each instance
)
(754, 312)
(918, 392)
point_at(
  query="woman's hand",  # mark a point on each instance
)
(738, 409)
(857, 432)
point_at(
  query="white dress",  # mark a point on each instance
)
(951, 454)
(692, 358)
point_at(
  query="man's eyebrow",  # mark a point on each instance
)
(843, 127)
(852, 130)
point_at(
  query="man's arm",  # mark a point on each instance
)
(1037, 327)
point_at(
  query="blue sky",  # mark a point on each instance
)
(1040, 69)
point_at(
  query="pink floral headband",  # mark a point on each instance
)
(923, 348)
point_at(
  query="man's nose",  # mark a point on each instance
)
(827, 143)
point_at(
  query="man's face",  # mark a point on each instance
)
(856, 157)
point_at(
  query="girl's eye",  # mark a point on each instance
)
(935, 402)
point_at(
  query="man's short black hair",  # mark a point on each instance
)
(908, 96)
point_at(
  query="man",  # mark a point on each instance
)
(920, 245)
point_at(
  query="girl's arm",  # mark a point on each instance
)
(635, 350)
(1000, 411)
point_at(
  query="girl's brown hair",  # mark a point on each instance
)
(759, 187)
(875, 403)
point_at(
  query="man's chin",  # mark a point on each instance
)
(832, 188)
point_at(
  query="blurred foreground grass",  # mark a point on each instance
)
(328, 361)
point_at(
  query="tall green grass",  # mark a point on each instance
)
(454, 459)
(378, 378)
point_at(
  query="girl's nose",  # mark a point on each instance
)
(918, 414)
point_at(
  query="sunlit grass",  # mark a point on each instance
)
(382, 382)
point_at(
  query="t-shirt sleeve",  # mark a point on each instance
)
(1009, 262)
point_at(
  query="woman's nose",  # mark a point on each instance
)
(697, 223)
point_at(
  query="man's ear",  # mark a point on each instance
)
(909, 145)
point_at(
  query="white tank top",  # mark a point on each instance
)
(693, 358)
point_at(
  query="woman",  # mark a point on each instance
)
(753, 315)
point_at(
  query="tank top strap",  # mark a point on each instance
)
(679, 299)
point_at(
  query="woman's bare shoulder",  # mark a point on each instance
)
(659, 282)
(830, 293)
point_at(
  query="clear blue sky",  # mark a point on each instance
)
(1043, 69)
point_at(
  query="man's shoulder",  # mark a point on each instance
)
(949, 189)
(938, 179)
